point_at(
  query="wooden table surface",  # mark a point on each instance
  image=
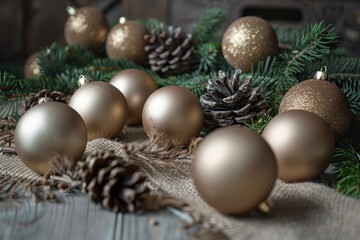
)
(78, 218)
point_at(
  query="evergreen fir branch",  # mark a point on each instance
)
(206, 57)
(79, 56)
(194, 82)
(151, 23)
(52, 60)
(309, 44)
(17, 71)
(284, 35)
(343, 65)
(207, 25)
(347, 163)
(258, 125)
(352, 92)
(12, 107)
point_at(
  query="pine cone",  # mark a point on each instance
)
(44, 96)
(169, 50)
(110, 180)
(231, 101)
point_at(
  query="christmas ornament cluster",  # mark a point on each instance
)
(234, 169)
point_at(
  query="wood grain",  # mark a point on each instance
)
(78, 218)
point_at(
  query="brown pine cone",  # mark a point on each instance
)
(169, 50)
(230, 101)
(110, 180)
(44, 95)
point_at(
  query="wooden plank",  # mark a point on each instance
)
(78, 218)
(135, 9)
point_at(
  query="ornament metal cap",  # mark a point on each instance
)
(70, 10)
(266, 207)
(84, 80)
(322, 74)
(122, 20)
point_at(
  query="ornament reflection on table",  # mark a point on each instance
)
(302, 142)
(47, 130)
(86, 26)
(103, 108)
(126, 40)
(174, 113)
(247, 41)
(136, 85)
(234, 170)
(323, 98)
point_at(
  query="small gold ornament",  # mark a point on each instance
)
(126, 40)
(47, 130)
(248, 41)
(173, 112)
(136, 85)
(31, 67)
(323, 98)
(103, 108)
(302, 142)
(234, 170)
(86, 26)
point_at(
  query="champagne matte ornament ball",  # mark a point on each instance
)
(323, 98)
(103, 108)
(173, 114)
(234, 170)
(126, 40)
(86, 26)
(247, 41)
(31, 67)
(302, 142)
(49, 129)
(136, 85)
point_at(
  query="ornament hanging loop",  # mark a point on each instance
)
(322, 74)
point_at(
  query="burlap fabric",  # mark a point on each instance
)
(301, 210)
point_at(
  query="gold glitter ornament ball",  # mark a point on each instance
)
(103, 108)
(322, 98)
(302, 142)
(31, 67)
(247, 41)
(86, 26)
(173, 114)
(234, 170)
(136, 85)
(126, 40)
(49, 129)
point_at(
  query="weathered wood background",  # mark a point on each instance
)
(78, 218)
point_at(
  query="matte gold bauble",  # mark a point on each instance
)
(31, 67)
(136, 85)
(103, 108)
(234, 170)
(302, 142)
(173, 112)
(322, 98)
(247, 41)
(49, 129)
(126, 40)
(87, 26)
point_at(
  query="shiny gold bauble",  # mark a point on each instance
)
(248, 41)
(136, 85)
(49, 129)
(126, 40)
(323, 98)
(234, 170)
(174, 113)
(31, 67)
(302, 142)
(87, 27)
(103, 108)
